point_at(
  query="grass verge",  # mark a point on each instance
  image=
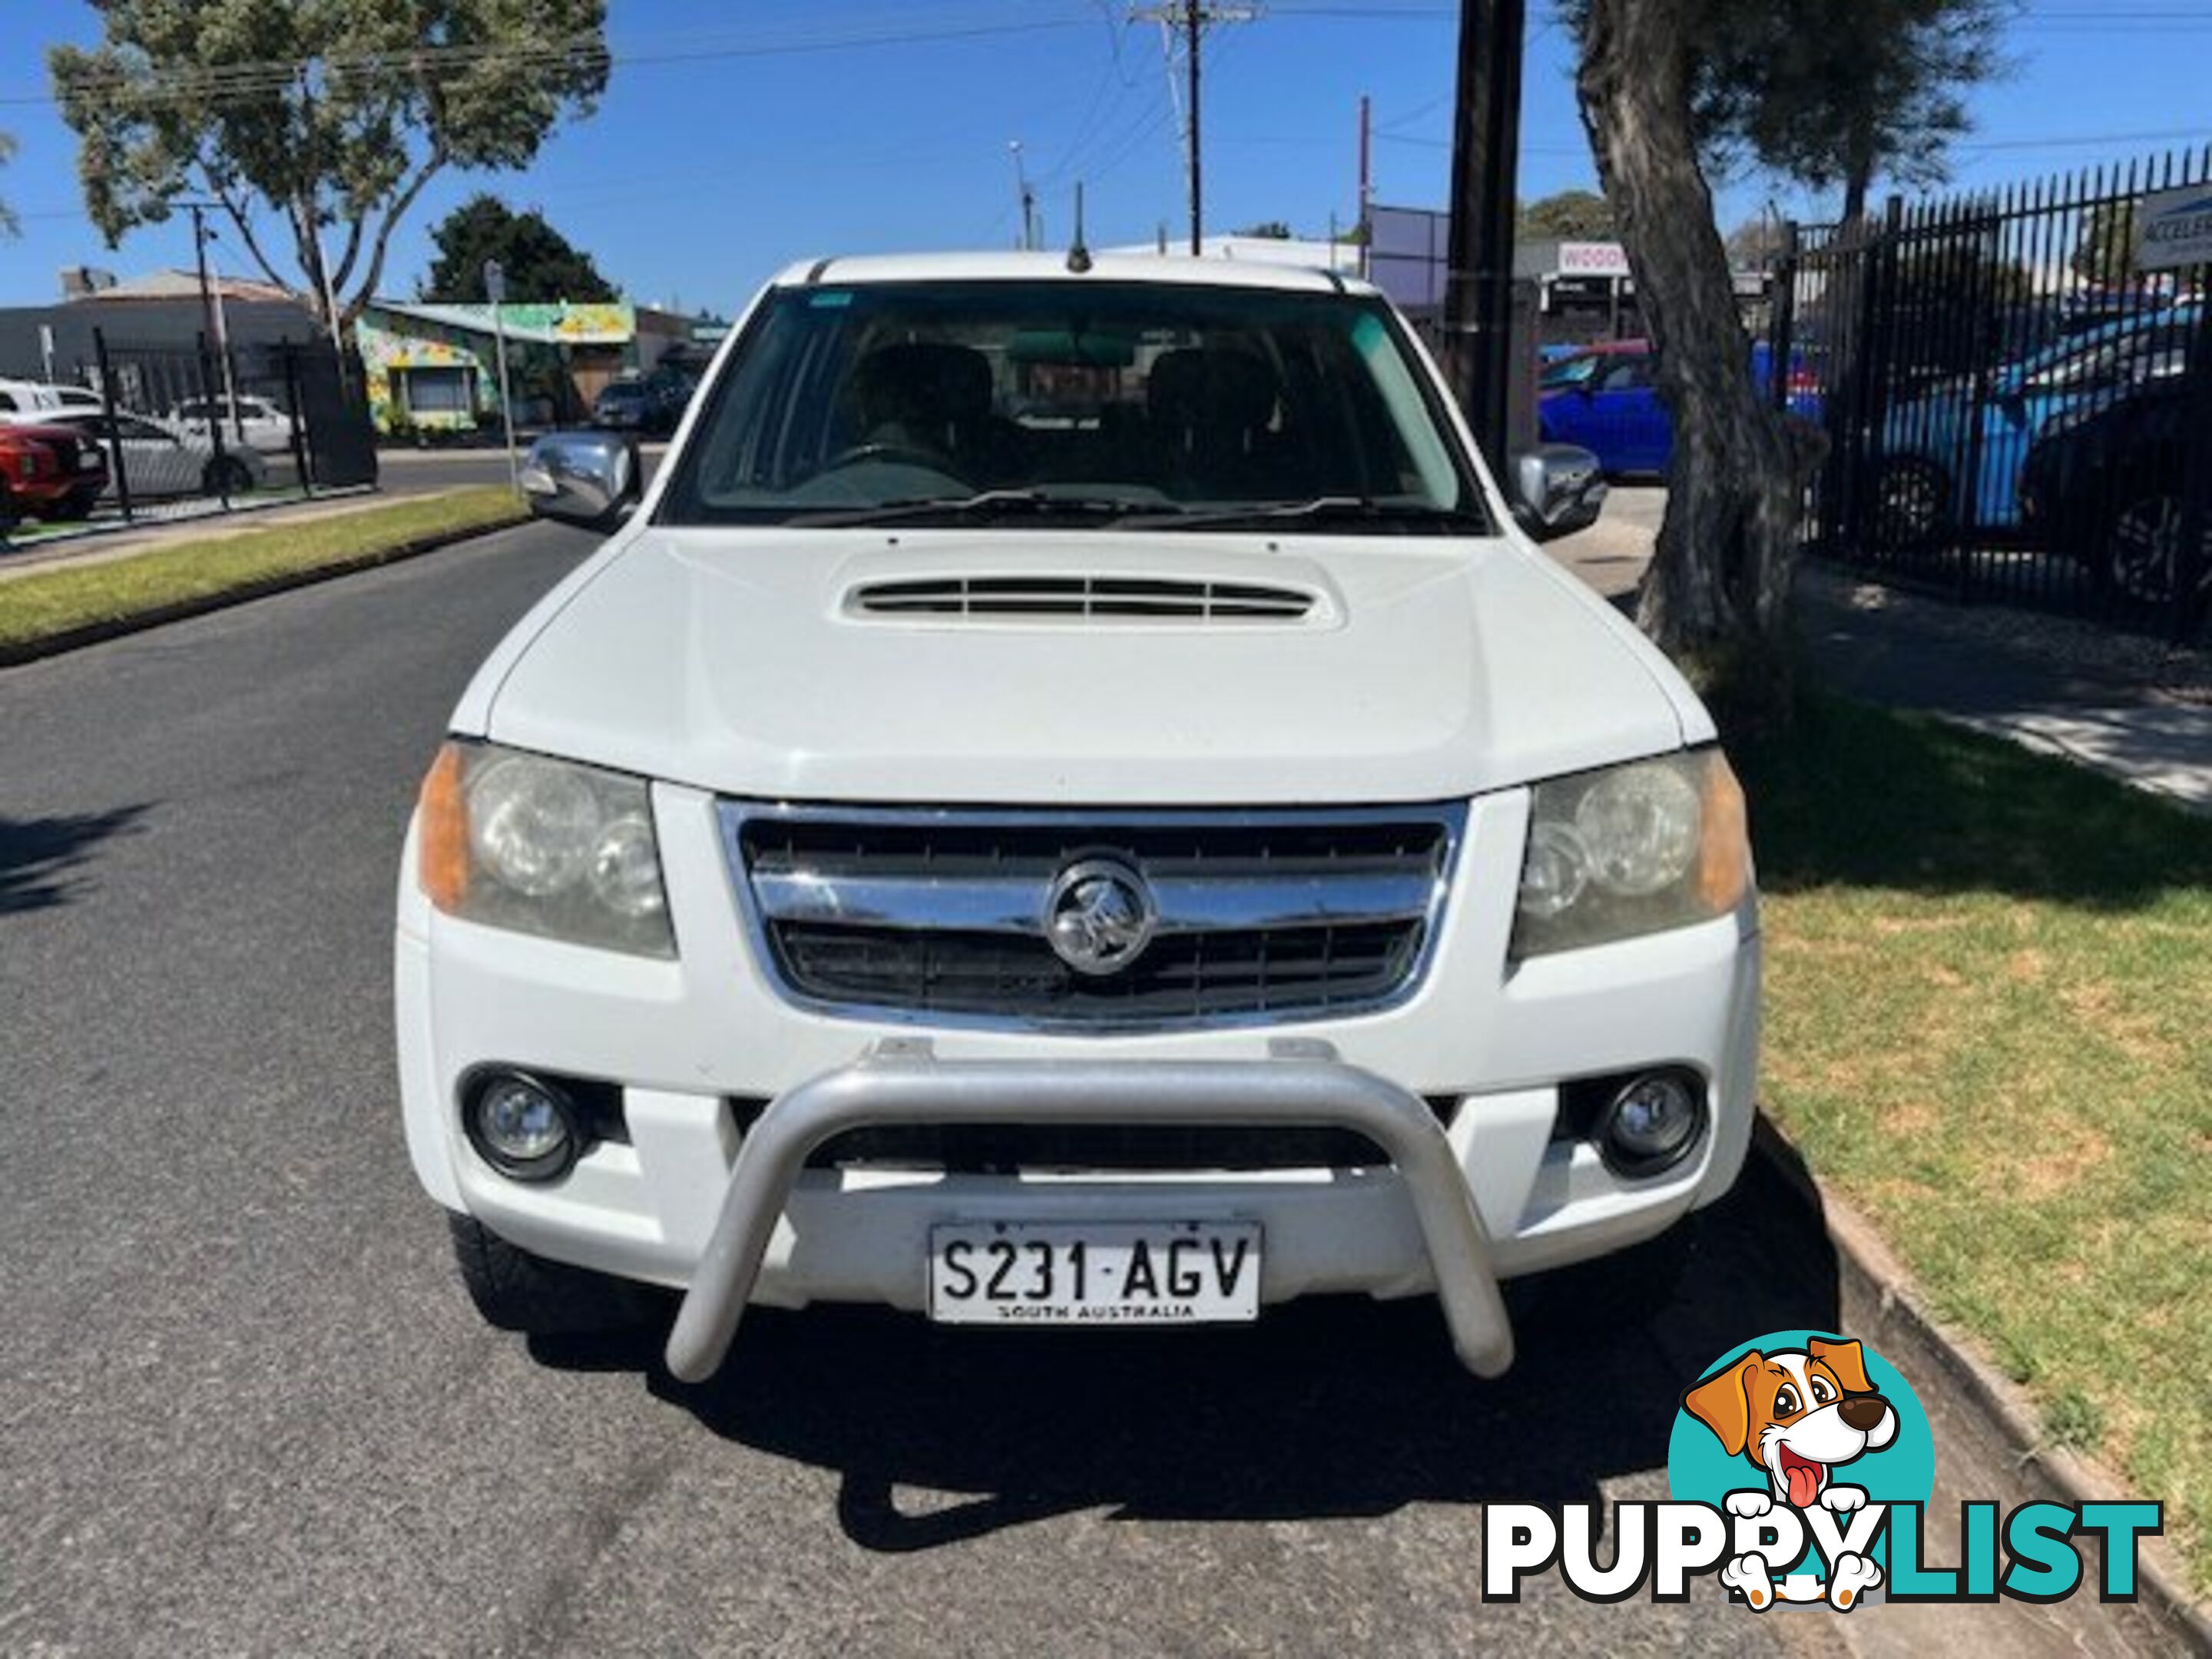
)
(50, 603)
(1990, 1028)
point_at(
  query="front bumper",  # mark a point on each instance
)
(902, 1084)
(707, 1199)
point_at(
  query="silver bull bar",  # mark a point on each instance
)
(1303, 1085)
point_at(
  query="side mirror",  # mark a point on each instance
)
(1555, 489)
(590, 478)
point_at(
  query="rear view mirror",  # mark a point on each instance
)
(589, 478)
(1554, 489)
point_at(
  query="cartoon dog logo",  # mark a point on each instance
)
(1796, 1415)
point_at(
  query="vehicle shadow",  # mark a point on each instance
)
(1342, 1407)
(40, 858)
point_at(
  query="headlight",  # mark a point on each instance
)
(544, 846)
(1633, 849)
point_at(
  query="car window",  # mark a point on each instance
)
(144, 431)
(1153, 395)
(1569, 371)
(1627, 375)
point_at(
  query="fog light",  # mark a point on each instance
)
(522, 1127)
(1652, 1124)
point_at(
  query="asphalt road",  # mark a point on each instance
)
(245, 1407)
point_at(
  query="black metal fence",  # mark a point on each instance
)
(187, 430)
(2017, 391)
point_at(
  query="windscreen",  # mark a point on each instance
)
(1114, 401)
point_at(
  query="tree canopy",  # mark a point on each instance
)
(1570, 216)
(1832, 94)
(328, 114)
(540, 263)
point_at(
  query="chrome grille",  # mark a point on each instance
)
(939, 916)
(1128, 598)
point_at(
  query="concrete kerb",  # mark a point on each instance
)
(112, 627)
(1884, 1306)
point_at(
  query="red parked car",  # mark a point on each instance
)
(48, 472)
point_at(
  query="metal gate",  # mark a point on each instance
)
(2017, 388)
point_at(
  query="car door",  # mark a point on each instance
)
(1562, 407)
(159, 461)
(1593, 411)
(1645, 433)
(266, 428)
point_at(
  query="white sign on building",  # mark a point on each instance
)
(1593, 259)
(2174, 228)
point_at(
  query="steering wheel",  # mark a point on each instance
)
(901, 454)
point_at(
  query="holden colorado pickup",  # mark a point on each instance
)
(1067, 801)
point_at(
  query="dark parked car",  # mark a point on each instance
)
(653, 405)
(2107, 483)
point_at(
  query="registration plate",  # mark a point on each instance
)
(1181, 1273)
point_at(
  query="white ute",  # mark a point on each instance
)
(1067, 801)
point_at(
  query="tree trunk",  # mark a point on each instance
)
(1718, 588)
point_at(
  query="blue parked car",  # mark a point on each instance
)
(1920, 476)
(1605, 398)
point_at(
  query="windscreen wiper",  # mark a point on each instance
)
(1330, 510)
(985, 504)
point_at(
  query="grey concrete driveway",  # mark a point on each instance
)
(243, 1406)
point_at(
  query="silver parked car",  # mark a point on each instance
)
(159, 459)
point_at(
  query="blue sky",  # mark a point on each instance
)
(713, 160)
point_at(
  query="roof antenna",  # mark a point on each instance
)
(1079, 257)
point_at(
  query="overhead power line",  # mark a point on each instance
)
(267, 77)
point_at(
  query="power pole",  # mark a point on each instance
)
(1486, 165)
(1193, 12)
(1025, 196)
(198, 210)
(1191, 17)
(200, 233)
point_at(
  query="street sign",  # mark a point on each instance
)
(2174, 228)
(494, 283)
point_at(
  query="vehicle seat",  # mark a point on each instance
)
(1210, 411)
(931, 397)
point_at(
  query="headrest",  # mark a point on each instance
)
(1223, 390)
(929, 379)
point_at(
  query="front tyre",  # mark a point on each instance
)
(2142, 561)
(226, 477)
(1911, 499)
(516, 1290)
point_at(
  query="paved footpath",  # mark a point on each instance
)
(2034, 679)
(243, 1406)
